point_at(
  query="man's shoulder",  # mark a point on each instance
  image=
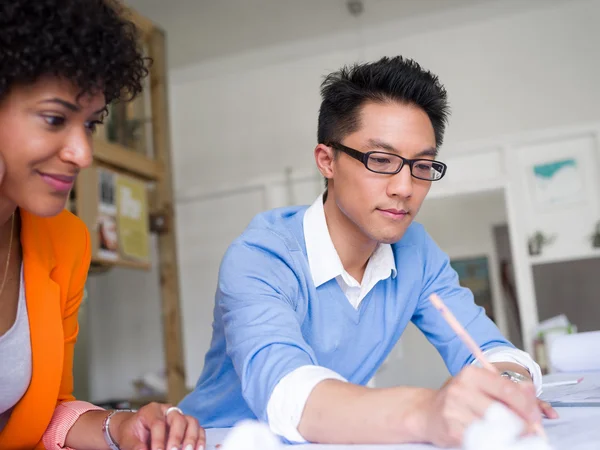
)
(270, 250)
(273, 237)
(281, 226)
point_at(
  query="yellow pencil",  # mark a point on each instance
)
(470, 343)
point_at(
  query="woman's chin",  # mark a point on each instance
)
(50, 208)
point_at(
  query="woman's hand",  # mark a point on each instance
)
(157, 427)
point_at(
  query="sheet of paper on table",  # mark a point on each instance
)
(585, 393)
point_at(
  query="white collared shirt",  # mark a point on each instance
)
(285, 407)
(325, 263)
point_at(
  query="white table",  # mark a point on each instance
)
(576, 429)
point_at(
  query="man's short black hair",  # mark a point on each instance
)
(390, 79)
(87, 42)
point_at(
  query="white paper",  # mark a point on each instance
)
(215, 436)
(578, 352)
(587, 391)
(576, 429)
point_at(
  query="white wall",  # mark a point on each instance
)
(234, 120)
(125, 329)
(463, 227)
(201, 31)
(206, 227)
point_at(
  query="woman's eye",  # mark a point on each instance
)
(54, 121)
(92, 125)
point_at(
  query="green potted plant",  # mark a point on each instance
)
(537, 241)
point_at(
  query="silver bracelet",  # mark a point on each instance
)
(106, 432)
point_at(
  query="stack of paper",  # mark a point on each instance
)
(584, 393)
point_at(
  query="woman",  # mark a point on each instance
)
(61, 63)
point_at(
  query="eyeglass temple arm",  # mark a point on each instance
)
(362, 157)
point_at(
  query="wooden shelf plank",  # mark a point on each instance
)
(121, 263)
(124, 159)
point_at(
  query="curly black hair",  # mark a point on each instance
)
(88, 42)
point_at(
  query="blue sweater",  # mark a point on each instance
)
(269, 319)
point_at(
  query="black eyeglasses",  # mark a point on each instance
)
(390, 163)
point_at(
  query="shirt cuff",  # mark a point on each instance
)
(513, 355)
(286, 404)
(65, 415)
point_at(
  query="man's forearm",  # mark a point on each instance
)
(344, 413)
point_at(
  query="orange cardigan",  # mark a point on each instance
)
(56, 259)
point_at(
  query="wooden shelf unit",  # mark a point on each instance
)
(156, 171)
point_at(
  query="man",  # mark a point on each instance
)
(310, 301)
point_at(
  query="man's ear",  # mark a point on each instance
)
(325, 158)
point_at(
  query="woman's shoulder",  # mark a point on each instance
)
(66, 224)
(67, 232)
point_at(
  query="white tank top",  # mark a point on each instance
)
(15, 359)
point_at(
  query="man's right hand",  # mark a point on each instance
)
(446, 414)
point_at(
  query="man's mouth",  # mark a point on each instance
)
(393, 213)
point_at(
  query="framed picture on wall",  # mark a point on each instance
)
(557, 182)
(474, 274)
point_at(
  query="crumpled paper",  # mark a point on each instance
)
(251, 435)
(501, 429)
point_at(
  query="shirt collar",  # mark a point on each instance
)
(323, 259)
